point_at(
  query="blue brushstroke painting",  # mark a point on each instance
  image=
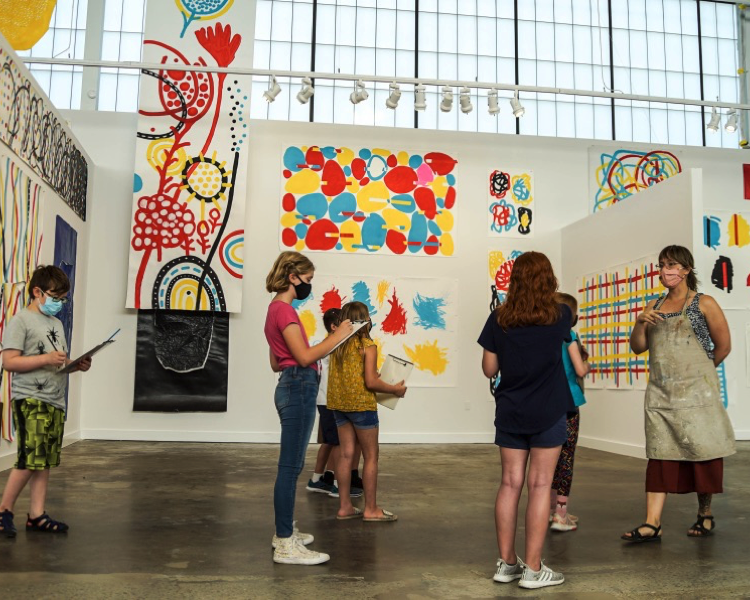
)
(361, 293)
(430, 312)
(711, 231)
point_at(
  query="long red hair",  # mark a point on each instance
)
(531, 293)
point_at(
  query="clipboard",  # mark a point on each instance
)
(71, 366)
(394, 371)
(357, 325)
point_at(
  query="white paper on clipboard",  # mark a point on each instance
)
(395, 370)
(357, 325)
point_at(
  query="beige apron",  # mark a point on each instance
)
(685, 417)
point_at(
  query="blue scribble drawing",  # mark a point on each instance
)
(297, 303)
(361, 293)
(430, 312)
(711, 231)
(521, 191)
(503, 216)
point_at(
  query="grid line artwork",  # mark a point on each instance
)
(608, 304)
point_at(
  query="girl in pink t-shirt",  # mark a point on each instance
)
(291, 355)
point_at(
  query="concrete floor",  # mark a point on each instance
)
(167, 520)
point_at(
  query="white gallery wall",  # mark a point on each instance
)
(461, 414)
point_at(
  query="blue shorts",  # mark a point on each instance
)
(366, 419)
(554, 436)
(327, 431)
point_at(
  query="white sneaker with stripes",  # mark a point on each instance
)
(305, 538)
(506, 573)
(544, 577)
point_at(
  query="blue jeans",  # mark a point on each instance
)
(295, 402)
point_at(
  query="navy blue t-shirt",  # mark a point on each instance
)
(533, 393)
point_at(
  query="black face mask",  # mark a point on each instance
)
(302, 289)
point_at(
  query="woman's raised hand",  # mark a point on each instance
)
(650, 316)
(343, 330)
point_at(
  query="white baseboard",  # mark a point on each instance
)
(622, 448)
(742, 435)
(272, 437)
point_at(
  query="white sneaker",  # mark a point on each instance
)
(291, 551)
(507, 573)
(565, 523)
(305, 538)
(545, 576)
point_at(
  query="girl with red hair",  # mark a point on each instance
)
(522, 341)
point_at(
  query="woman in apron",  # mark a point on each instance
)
(688, 432)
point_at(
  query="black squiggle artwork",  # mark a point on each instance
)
(32, 130)
(524, 220)
(499, 184)
(722, 274)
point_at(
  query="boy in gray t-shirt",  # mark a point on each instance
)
(34, 349)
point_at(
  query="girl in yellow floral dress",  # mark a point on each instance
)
(353, 380)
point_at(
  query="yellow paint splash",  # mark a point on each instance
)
(382, 291)
(307, 318)
(739, 231)
(428, 357)
(496, 259)
(381, 355)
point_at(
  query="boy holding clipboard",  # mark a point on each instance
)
(35, 350)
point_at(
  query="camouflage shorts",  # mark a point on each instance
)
(39, 433)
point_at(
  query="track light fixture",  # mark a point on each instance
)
(492, 106)
(731, 124)
(395, 95)
(516, 106)
(273, 90)
(420, 102)
(465, 100)
(307, 91)
(447, 104)
(360, 93)
(713, 124)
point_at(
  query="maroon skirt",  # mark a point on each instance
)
(684, 477)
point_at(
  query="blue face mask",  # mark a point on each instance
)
(51, 306)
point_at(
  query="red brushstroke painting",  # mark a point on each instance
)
(331, 299)
(395, 321)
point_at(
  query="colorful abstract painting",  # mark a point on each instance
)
(608, 304)
(618, 174)
(66, 249)
(367, 201)
(187, 232)
(500, 267)
(511, 203)
(21, 226)
(33, 129)
(412, 318)
(724, 264)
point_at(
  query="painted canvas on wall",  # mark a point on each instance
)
(615, 175)
(33, 129)
(511, 203)
(21, 226)
(66, 245)
(367, 201)
(608, 304)
(412, 318)
(187, 232)
(182, 361)
(724, 264)
(500, 267)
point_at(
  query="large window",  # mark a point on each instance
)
(122, 40)
(671, 48)
(64, 39)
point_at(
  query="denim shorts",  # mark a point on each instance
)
(366, 419)
(554, 436)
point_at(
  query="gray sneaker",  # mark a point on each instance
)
(545, 576)
(507, 573)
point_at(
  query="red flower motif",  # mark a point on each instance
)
(219, 43)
